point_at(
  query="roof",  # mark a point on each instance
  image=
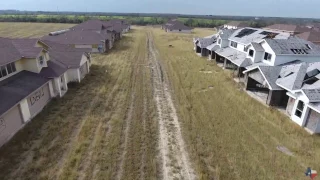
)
(55, 46)
(54, 69)
(12, 50)
(176, 25)
(226, 33)
(18, 87)
(213, 47)
(95, 25)
(80, 37)
(69, 59)
(293, 46)
(236, 57)
(288, 27)
(313, 36)
(257, 46)
(205, 42)
(238, 24)
(247, 35)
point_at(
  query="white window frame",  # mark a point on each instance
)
(6, 69)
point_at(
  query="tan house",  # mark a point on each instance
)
(31, 74)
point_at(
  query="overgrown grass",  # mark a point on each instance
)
(230, 135)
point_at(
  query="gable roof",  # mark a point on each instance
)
(69, 59)
(257, 46)
(12, 50)
(54, 69)
(55, 46)
(293, 46)
(11, 91)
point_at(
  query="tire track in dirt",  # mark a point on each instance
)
(174, 158)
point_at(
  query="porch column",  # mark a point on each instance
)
(224, 63)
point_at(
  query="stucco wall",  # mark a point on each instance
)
(73, 75)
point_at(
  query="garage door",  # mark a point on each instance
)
(38, 99)
(84, 70)
(10, 123)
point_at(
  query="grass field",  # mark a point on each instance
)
(107, 127)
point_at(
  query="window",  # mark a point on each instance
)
(234, 44)
(267, 56)
(7, 69)
(179, 29)
(11, 68)
(299, 109)
(219, 41)
(245, 49)
(40, 59)
(251, 52)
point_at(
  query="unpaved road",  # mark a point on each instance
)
(173, 155)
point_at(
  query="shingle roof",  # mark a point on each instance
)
(271, 74)
(176, 25)
(205, 42)
(226, 33)
(257, 46)
(78, 37)
(248, 35)
(14, 49)
(289, 46)
(237, 57)
(18, 87)
(54, 69)
(69, 59)
(55, 46)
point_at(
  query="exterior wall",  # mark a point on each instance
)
(38, 99)
(73, 75)
(10, 123)
(84, 70)
(313, 121)
(224, 43)
(290, 106)
(300, 121)
(268, 49)
(25, 112)
(30, 65)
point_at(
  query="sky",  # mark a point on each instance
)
(272, 8)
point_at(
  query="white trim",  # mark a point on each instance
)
(313, 108)
(291, 95)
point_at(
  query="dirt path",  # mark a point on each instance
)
(174, 158)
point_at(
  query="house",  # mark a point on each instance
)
(288, 28)
(201, 44)
(125, 25)
(222, 41)
(235, 25)
(237, 55)
(303, 86)
(23, 92)
(269, 59)
(176, 26)
(83, 39)
(31, 74)
(312, 36)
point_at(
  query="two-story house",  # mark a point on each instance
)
(31, 74)
(273, 56)
(237, 55)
